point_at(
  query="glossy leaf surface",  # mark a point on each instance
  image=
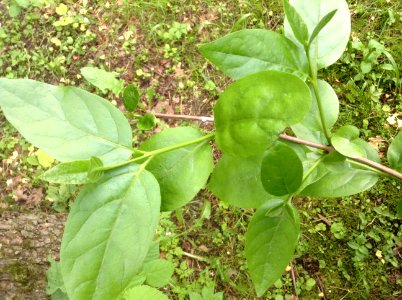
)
(237, 181)
(394, 153)
(337, 177)
(108, 233)
(75, 172)
(346, 141)
(252, 112)
(183, 172)
(158, 272)
(66, 122)
(253, 50)
(270, 244)
(102, 79)
(281, 170)
(331, 41)
(310, 127)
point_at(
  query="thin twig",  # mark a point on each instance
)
(292, 272)
(296, 140)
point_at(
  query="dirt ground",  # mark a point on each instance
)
(28, 237)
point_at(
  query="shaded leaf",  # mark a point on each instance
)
(75, 172)
(331, 41)
(237, 181)
(310, 128)
(66, 122)
(183, 172)
(252, 112)
(399, 209)
(131, 97)
(146, 122)
(108, 233)
(103, 80)
(281, 170)
(338, 177)
(270, 244)
(54, 279)
(249, 51)
(93, 173)
(394, 153)
(144, 292)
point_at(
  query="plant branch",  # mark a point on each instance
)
(296, 140)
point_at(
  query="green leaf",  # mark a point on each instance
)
(144, 292)
(61, 9)
(109, 232)
(131, 97)
(207, 293)
(183, 172)
(249, 51)
(281, 170)
(158, 272)
(311, 127)
(252, 112)
(331, 41)
(103, 80)
(75, 172)
(394, 153)
(296, 22)
(323, 22)
(270, 244)
(54, 278)
(14, 10)
(23, 3)
(338, 177)
(237, 181)
(66, 122)
(93, 173)
(344, 141)
(146, 122)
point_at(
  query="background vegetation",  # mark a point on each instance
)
(350, 248)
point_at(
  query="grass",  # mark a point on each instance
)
(349, 249)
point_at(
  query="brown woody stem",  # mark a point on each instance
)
(296, 140)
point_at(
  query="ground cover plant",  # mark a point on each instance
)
(94, 168)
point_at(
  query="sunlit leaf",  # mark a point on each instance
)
(331, 41)
(109, 232)
(103, 80)
(144, 292)
(66, 122)
(249, 51)
(394, 153)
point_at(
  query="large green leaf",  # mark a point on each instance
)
(183, 172)
(346, 141)
(144, 292)
(108, 233)
(311, 127)
(103, 80)
(337, 177)
(253, 50)
(66, 122)
(252, 112)
(394, 153)
(270, 243)
(331, 41)
(281, 170)
(237, 181)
